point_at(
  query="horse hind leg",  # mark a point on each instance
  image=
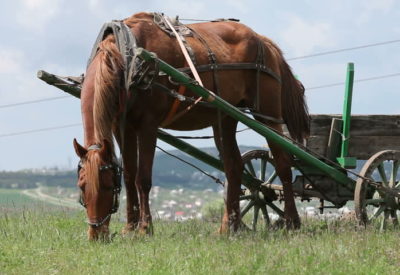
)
(269, 105)
(233, 167)
(283, 163)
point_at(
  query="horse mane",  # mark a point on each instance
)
(92, 164)
(107, 87)
(108, 82)
(139, 17)
(294, 105)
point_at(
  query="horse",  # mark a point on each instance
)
(277, 95)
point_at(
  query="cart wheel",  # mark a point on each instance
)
(372, 204)
(260, 165)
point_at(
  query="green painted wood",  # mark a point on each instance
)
(344, 159)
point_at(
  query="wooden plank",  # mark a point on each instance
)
(51, 79)
(334, 140)
(361, 147)
(361, 125)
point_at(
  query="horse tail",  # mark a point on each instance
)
(107, 87)
(294, 105)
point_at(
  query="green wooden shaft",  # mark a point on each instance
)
(260, 128)
(347, 110)
(60, 83)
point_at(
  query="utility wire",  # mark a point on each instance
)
(311, 88)
(40, 130)
(357, 80)
(33, 101)
(79, 124)
(344, 50)
(289, 59)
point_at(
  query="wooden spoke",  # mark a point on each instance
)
(251, 169)
(393, 174)
(246, 197)
(255, 216)
(276, 209)
(263, 169)
(272, 177)
(384, 221)
(378, 212)
(265, 215)
(382, 173)
(374, 201)
(247, 208)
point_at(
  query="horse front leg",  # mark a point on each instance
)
(147, 139)
(129, 155)
(233, 167)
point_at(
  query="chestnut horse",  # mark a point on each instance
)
(101, 102)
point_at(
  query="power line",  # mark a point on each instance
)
(33, 101)
(307, 89)
(344, 49)
(40, 130)
(357, 80)
(289, 59)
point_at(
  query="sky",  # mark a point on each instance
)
(57, 36)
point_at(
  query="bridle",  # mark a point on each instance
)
(116, 188)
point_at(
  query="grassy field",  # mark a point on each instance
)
(39, 241)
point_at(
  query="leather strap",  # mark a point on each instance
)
(174, 108)
(234, 66)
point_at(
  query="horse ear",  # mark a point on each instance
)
(105, 151)
(79, 149)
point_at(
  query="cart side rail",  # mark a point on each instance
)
(369, 134)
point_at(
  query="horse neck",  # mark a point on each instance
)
(101, 96)
(87, 100)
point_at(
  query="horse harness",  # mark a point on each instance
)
(116, 190)
(141, 75)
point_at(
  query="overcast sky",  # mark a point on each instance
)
(57, 36)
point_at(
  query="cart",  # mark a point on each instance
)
(323, 166)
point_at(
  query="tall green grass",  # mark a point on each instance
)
(40, 241)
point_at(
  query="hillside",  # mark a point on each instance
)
(168, 172)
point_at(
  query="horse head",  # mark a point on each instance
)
(99, 179)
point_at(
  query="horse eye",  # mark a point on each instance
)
(81, 186)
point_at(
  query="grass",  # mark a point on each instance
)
(39, 241)
(13, 197)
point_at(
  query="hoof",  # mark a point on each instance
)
(99, 234)
(293, 224)
(279, 224)
(145, 229)
(243, 227)
(129, 229)
(223, 230)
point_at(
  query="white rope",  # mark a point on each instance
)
(185, 53)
